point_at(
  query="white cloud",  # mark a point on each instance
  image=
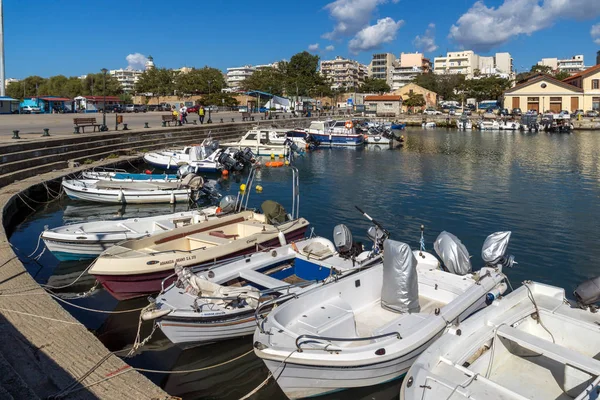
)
(426, 43)
(351, 16)
(313, 47)
(330, 48)
(595, 32)
(136, 61)
(481, 28)
(371, 37)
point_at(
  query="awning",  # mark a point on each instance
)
(257, 93)
(6, 98)
(55, 99)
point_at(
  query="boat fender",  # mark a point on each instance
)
(495, 293)
(281, 237)
(172, 201)
(121, 196)
(154, 314)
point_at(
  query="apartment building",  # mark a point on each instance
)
(571, 65)
(470, 64)
(127, 77)
(407, 67)
(344, 73)
(236, 75)
(381, 67)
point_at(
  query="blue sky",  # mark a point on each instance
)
(74, 37)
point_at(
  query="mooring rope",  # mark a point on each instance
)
(93, 309)
(40, 316)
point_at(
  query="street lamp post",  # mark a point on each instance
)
(209, 107)
(104, 127)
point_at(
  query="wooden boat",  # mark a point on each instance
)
(89, 239)
(220, 303)
(532, 344)
(138, 267)
(368, 328)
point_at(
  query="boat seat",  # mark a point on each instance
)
(316, 250)
(164, 225)
(332, 319)
(263, 280)
(222, 234)
(550, 350)
(206, 238)
(404, 324)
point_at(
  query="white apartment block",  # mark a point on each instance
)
(381, 67)
(236, 75)
(344, 73)
(467, 63)
(127, 78)
(571, 65)
(407, 67)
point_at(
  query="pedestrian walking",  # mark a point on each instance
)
(201, 114)
(183, 114)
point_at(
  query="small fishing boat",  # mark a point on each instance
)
(464, 123)
(221, 303)
(398, 126)
(335, 133)
(509, 126)
(127, 176)
(124, 192)
(203, 157)
(428, 125)
(488, 125)
(88, 239)
(368, 328)
(532, 344)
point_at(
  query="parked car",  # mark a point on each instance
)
(432, 111)
(115, 108)
(193, 109)
(129, 108)
(471, 107)
(504, 112)
(212, 108)
(591, 113)
(163, 107)
(516, 112)
(577, 113)
(565, 114)
(30, 110)
(137, 108)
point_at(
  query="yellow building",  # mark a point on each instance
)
(589, 81)
(541, 93)
(412, 88)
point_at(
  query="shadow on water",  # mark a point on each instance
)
(544, 188)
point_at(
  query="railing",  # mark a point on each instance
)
(330, 339)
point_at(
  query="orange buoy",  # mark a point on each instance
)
(218, 210)
(148, 172)
(349, 125)
(225, 172)
(274, 164)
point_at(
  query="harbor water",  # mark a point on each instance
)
(544, 188)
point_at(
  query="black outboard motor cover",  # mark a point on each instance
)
(229, 163)
(588, 292)
(342, 238)
(245, 156)
(453, 253)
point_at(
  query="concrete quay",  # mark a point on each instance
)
(45, 352)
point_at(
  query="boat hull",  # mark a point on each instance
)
(210, 331)
(123, 287)
(129, 197)
(65, 250)
(337, 139)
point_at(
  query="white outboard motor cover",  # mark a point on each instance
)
(588, 292)
(400, 289)
(342, 238)
(453, 253)
(494, 247)
(228, 203)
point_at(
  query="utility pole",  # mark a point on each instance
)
(2, 75)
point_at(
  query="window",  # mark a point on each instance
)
(533, 99)
(388, 105)
(555, 99)
(411, 91)
(595, 83)
(251, 136)
(596, 103)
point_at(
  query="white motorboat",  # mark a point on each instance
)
(533, 344)
(488, 125)
(221, 303)
(262, 142)
(464, 124)
(89, 239)
(125, 176)
(509, 126)
(428, 125)
(368, 328)
(335, 133)
(202, 157)
(122, 192)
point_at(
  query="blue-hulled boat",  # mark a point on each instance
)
(335, 133)
(398, 126)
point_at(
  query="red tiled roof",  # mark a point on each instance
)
(583, 73)
(51, 98)
(101, 98)
(387, 97)
(540, 77)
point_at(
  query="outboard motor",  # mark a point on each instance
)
(246, 156)
(229, 163)
(292, 146)
(400, 289)
(378, 236)
(311, 141)
(193, 181)
(274, 212)
(185, 170)
(209, 191)
(227, 204)
(342, 239)
(494, 248)
(588, 293)
(453, 253)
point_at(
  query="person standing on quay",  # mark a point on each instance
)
(175, 114)
(183, 114)
(201, 114)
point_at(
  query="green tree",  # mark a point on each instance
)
(218, 99)
(301, 74)
(560, 75)
(270, 80)
(486, 88)
(15, 90)
(126, 98)
(414, 100)
(544, 69)
(93, 85)
(374, 86)
(197, 81)
(156, 82)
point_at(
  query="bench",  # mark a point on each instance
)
(167, 119)
(247, 116)
(83, 122)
